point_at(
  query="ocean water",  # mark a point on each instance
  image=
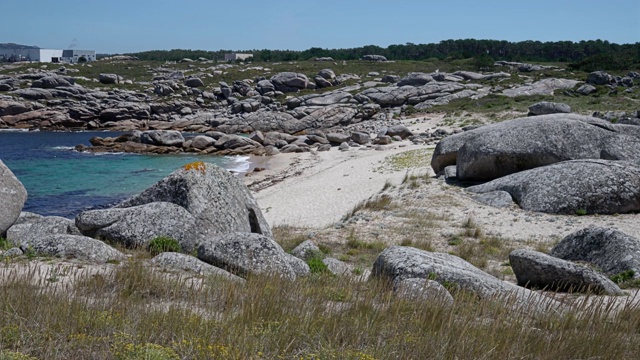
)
(61, 181)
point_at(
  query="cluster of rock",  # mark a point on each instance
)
(52, 100)
(556, 163)
(420, 274)
(256, 143)
(609, 250)
(205, 209)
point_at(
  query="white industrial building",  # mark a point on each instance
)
(46, 55)
(237, 57)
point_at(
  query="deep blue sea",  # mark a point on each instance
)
(61, 181)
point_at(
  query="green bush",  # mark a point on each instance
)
(623, 276)
(164, 244)
(4, 244)
(316, 266)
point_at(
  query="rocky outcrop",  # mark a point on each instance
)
(28, 230)
(609, 249)
(109, 79)
(399, 263)
(415, 79)
(374, 58)
(54, 81)
(12, 197)
(178, 261)
(218, 200)
(547, 107)
(416, 289)
(599, 78)
(538, 270)
(306, 250)
(570, 187)
(162, 137)
(136, 226)
(245, 253)
(541, 87)
(500, 149)
(76, 247)
(289, 82)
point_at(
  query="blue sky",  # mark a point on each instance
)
(117, 26)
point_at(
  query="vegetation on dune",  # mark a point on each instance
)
(137, 313)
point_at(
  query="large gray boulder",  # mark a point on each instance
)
(538, 270)
(415, 79)
(218, 200)
(12, 197)
(136, 226)
(54, 81)
(374, 58)
(399, 263)
(162, 137)
(245, 253)
(306, 250)
(548, 107)
(570, 187)
(289, 82)
(399, 130)
(202, 142)
(74, 246)
(109, 79)
(496, 150)
(232, 141)
(264, 121)
(31, 229)
(541, 87)
(193, 82)
(599, 78)
(609, 249)
(178, 261)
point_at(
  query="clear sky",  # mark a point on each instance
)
(118, 26)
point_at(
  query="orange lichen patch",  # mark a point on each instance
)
(196, 166)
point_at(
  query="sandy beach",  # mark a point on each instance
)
(316, 189)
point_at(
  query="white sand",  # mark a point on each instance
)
(327, 186)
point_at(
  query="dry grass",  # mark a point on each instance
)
(129, 314)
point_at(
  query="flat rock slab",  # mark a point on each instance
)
(178, 261)
(77, 247)
(573, 187)
(609, 249)
(30, 229)
(539, 270)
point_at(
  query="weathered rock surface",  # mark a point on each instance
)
(162, 137)
(29, 230)
(417, 289)
(218, 200)
(599, 78)
(75, 246)
(12, 198)
(305, 250)
(547, 107)
(109, 79)
(399, 263)
(178, 261)
(541, 87)
(609, 249)
(415, 79)
(337, 267)
(498, 199)
(136, 226)
(504, 148)
(289, 82)
(247, 253)
(538, 270)
(592, 186)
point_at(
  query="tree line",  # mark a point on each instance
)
(523, 51)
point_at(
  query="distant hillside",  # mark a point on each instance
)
(16, 46)
(580, 53)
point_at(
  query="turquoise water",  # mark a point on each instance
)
(61, 181)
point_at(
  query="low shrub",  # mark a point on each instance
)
(162, 244)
